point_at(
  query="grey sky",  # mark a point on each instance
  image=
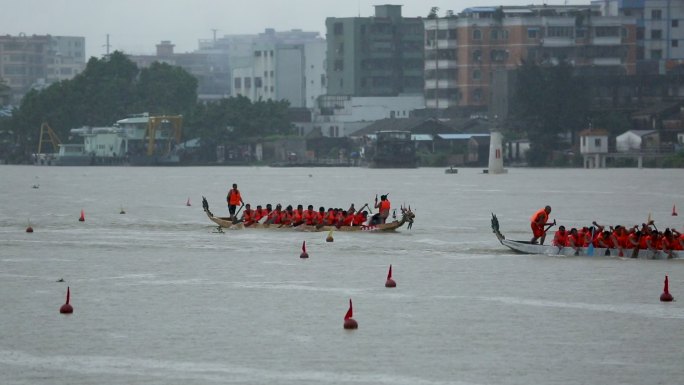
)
(136, 26)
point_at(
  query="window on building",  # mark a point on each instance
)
(248, 82)
(271, 53)
(477, 34)
(338, 28)
(477, 74)
(339, 65)
(675, 43)
(257, 53)
(559, 31)
(238, 82)
(656, 14)
(597, 142)
(265, 74)
(533, 33)
(675, 23)
(607, 31)
(477, 95)
(656, 34)
(477, 55)
(271, 73)
(257, 82)
(340, 49)
(656, 54)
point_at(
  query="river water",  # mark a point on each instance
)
(160, 298)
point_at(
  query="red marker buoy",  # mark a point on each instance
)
(349, 322)
(666, 296)
(674, 211)
(82, 218)
(304, 254)
(188, 202)
(66, 308)
(390, 282)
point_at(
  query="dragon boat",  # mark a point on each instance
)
(407, 217)
(526, 247)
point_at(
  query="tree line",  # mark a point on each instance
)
(113, 87)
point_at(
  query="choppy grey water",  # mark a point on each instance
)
(160, 298)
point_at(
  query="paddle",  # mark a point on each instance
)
(235, 220)
(590, 249)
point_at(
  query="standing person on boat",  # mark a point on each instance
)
(383, 210)
(234, 199)
(537, 223)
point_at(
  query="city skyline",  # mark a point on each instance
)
(136, 28)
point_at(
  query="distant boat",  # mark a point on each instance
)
(451, 170)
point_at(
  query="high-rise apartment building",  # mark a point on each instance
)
(38, 60)
(660, 31)
(282, 66)
(464, 51)
(375, 56)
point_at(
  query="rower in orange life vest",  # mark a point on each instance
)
(538, 221)
(560, 238)
(248, 216)
(233, 199)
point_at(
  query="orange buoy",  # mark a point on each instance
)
(674, 211)
(82, 218)
(304, 254)
(349, 322)
(666, 296)
(66, 308)
(29, 229)
(390, 282)
(188, 202)
(329, 238)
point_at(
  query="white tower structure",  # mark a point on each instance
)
(496, 154)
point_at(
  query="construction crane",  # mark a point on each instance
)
(47, 134)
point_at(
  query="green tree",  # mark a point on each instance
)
(548, 101)
(166, 89)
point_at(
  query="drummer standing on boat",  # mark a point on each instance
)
(234, 199)
(538, 221)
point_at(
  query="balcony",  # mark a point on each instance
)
(440, 64)
(443, 83)
(607, 40)
(557, 42)
(441, 103)
(607, 61)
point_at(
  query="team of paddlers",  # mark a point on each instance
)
(290, 216)
(644, 237)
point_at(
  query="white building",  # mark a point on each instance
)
(283, 67)
(339, 116)
(594, 147)
(637, 140)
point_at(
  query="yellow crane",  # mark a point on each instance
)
(47, 134)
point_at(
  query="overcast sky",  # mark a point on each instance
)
(136, 26)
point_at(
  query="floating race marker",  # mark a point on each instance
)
(329, 238)
(349, 322)
(188, 202)
(66, 308)
(304, 254)
(122, 211)
(666, 296)
(674, 211)
(29, 229)
(82, 218)
(390, 282)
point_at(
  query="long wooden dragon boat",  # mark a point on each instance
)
(526, 247)
(407, 217)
